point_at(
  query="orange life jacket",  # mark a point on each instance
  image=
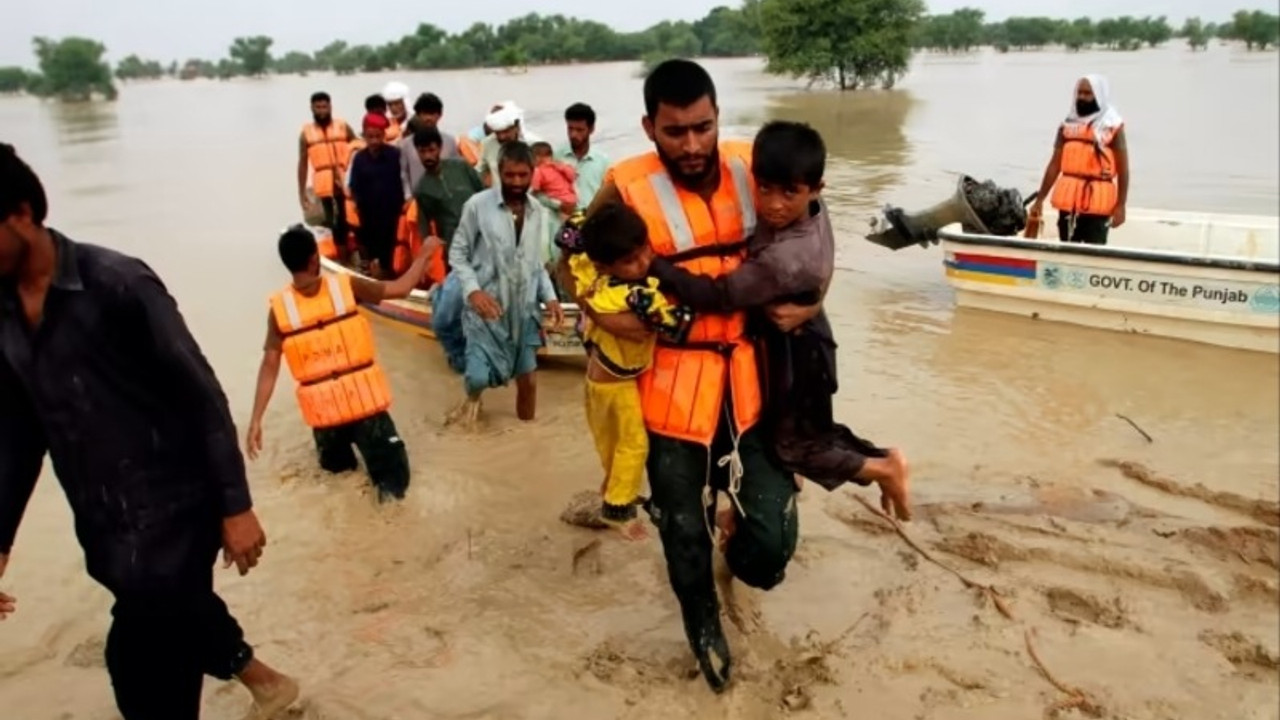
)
(329, 348)
(353, 217)
(327, 153)
(1087, 185)
(682, 393)
(409, 241)
(469, 149)
(325, 244)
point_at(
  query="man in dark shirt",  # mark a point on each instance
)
(446, 185)
(98, 369)
(378, 192)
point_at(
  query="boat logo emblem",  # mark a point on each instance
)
(1051, 277)
(1077, 279)
(1266, 299)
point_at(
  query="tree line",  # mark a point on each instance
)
(846, 43)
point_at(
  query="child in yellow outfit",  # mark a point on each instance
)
(609, 258)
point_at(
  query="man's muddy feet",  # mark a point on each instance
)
(466, 415)
(272, 692)
(712, 650)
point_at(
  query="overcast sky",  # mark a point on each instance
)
(181, 29)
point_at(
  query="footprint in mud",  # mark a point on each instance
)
(1249, 656)
(90, 653)
(635, 674)
(1076, 607)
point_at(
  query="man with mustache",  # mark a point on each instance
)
(701, 399)
(496, 258)
(324, 147)
(1089, 170)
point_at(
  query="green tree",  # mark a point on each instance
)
(294, 63)
(512, 56)
(135, 68)
(252, 54)
(851, 43)
(72, 69)
(1256, 29)
(726, 32)
(13, 80)
(1196, 34)
(1080, 34)
(1154, 31)
(328, 55)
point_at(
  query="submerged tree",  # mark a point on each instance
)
(253, 54)
(1196, 34)
(850, 43)
(72, 69)
(1256, 29)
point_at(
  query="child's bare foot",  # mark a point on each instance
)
(632, 529)
(272, 691)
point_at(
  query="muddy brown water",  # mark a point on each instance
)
(463, 601)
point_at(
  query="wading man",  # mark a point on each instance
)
(1089, 170)
(98, 369)
(324, 147)
(701, 399)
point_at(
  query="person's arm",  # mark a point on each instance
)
(186, 378)
(373, 291)
(546, 291)
(1051, 172)
(22, 450)
(626, 325)
(779, 271)
(268, 372)
(354, 178)
(460, 248)
(482, 165)
(405, 160)
(302, 168)
(1121, 147)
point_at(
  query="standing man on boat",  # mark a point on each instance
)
(506, 125)
(443, 189)
(1089, 169)
(379, 193)
(323, 147)
(99, 371)
(315, 324)
(496, 256)
(590, 163)
(396, 94)
(427, 110)
(701, 399)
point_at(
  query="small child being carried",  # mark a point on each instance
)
(554, 179)
(609, 257)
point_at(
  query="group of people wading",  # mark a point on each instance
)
(701, 267)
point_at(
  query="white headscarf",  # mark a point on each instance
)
(1107, 118)
(505, 117)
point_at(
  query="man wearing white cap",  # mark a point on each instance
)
(396, 93)
(506, 124)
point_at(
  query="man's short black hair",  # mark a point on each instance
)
(612, 233)
(678, 83)
(426, 137)
(320, 96)
(429, 103)
(515, 151)
(375, 103)
(18, 185)
(297, 246)
(581, 112)
(540, 148)
(788, 154)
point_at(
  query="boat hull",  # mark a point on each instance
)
(1227, 301)
(413, 314)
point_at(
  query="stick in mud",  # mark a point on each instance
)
(1127, 419)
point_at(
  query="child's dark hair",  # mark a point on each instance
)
(375, 104)
(540, 148)
(788, 154)
(297, 246)
(612, 233)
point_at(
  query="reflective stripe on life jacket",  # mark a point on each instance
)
(329, 349)
(683, 391)
(1087, 185)
(327, 153)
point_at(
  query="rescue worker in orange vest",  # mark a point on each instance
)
(1089, 170)
(701, 399)
(323, 147)
(314, 323)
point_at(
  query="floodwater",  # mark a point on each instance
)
(1156, 599)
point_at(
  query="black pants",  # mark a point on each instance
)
(765, 539)
(1089, 229)
(167, 635)
(380, 445)
(335, 218)
(377, 236)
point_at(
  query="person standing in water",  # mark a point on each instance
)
(497, 259)
(701, 399)
(1089, 169)
(324, 149)
(99, 370)
(378, 193)
(316, 326)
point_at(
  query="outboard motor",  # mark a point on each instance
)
(980, 208)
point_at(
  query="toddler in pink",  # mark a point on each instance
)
(554, 179)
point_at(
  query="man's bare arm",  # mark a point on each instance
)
(1121, 146)
(302, 167)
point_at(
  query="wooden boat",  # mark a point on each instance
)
(414, 315)
(1202, 277)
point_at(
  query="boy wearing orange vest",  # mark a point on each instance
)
(314, 323)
